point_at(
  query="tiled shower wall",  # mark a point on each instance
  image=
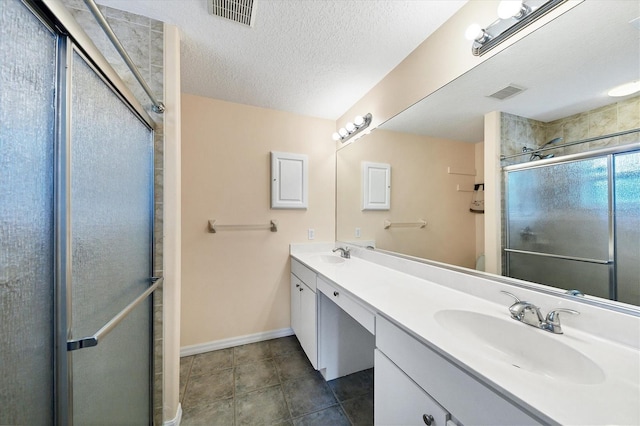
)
(518, 132)
(143, 39)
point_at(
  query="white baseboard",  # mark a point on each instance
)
(234, 341)
(177, 419)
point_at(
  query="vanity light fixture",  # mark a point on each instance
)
(351, 129)
(513, 15)
(625, 89)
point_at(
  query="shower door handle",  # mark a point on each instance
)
(89, 341)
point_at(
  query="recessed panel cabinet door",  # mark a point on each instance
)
(308, 310)
(289, 180)
(399, 401)
(376, 186)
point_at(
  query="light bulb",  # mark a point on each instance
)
(474, 32)
(358, 121)
(350, 127)
(625, 89)
(509, 9)
(343, 132)
(335, 136)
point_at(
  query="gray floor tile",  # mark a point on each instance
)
(210, 362)
(257, 375)
(333, 416)
(185, 367)
(293, 365)
(264, 406)
(360, 410)
(202, 390)
(307, 394)
(219, 413)
(285, 345)
(269, 383)
(185, 370)
(353, 385)
(247, 354)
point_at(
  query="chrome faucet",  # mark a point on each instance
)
(530, 314)
(344, 252)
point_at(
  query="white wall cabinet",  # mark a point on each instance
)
(376, 186)
(289, 180)
(399, 401)
(304, 309)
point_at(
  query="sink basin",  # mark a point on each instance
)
(327, 258)
(521, 346)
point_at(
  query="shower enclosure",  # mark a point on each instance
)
(574, 222)
(76, 220)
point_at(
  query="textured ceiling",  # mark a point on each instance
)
(311, 57)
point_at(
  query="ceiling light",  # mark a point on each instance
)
(625, 89)
(513, 16)
(352, 129)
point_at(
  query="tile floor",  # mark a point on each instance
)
(270, 383)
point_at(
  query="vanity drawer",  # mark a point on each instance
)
(464, 396)
(365, 317)
(305, 274)
(399, 401)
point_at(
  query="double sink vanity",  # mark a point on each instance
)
(446, 350)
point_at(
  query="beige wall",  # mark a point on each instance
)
(421, 188)
(479, 218)
(236, 283)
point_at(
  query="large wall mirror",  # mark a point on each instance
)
(561, 73)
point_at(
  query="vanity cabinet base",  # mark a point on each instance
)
(344, 346)
(465, 397)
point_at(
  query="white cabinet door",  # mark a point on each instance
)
(304, 315)
(308, 324)
(289, 180)
(295, 304)
(399, 401)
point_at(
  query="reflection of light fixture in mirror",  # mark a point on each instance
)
(513, 15)
(476, 33)
(351, 129)
(625, 89)
(512, 9)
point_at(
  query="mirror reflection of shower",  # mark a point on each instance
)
(536, 152)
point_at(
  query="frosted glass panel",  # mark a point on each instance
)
(627, 203)
(560, 209)
(27, 79)
(111, 211)
(589, 278)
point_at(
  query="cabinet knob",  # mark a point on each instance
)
(427, 419)
(301, 289)
(335, 293)
(297, 285)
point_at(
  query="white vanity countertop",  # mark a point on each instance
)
(411, 302)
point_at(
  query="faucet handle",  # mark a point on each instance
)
(553, 319)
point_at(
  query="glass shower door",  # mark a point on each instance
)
(627, 208)
(111, 221)
(558, 225)
(27, 99)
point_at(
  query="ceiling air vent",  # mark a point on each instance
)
(507, 92)
(240, 11)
